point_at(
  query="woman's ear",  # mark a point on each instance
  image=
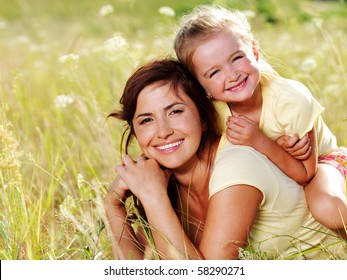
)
(209, 96)
(204, 127)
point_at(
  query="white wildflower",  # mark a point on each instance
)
(63, 100)
(318, 22)
(68, 58)
(116, 42)
(106, 10)
(308, 65)
(80, 180)
(114, 47)
(22, 39)
(42, 48)
(68, 205)
(3, 24)
(167, 11)
(249, 13)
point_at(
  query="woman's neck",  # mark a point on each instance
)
(195, 176)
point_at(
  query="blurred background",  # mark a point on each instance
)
(63, 65)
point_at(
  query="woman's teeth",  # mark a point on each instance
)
(168, 146)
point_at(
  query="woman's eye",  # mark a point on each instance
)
(176, 111)
(146, 120)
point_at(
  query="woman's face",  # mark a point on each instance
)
(167, 126)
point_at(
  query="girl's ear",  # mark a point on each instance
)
(255, 49)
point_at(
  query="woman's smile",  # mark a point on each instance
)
(167, 125)
(169, 147)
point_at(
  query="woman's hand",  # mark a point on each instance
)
(116, 195)
(124, 240)
(144, 177)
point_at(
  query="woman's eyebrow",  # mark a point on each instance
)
(143, 115)
(165, 109)
(172, 105)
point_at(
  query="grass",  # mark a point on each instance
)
(62, 69)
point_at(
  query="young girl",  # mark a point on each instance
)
(203, 197)
(218, 47)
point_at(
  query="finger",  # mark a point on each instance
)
(233, 138)
(291, 141)
(301, 148)
(304, 156)
(240, 120)
(142, 158)
(302, 152)
(234, 127)
(127, 161)
(282, 139)
(120, 168)
(300, 144)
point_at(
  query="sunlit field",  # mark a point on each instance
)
(63, 65)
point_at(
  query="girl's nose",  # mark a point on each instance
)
(232, 75)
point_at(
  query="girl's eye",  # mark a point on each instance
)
(214, 73)
(237, 58)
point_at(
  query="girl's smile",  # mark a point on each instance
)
(228, 68)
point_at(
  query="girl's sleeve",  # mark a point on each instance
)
(297, 109)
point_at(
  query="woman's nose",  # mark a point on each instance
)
(164, 129)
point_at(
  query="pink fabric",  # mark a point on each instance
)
(337, 159)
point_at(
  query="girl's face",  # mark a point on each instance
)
(167, 126)
(227, 68)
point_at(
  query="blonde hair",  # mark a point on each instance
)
(206, 21)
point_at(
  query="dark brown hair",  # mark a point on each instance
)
(163, 71)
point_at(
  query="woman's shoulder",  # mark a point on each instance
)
(235, 165)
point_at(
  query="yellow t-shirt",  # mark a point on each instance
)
(284, 227)
(288, 109)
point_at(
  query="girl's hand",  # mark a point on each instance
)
(144, 177)
(243, 131)
(300, 149)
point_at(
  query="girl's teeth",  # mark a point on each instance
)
(237, 87)
(168, 146)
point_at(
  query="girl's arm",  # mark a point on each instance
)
(125, 244)
(243, 131)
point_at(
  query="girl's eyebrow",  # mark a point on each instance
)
(165, 109)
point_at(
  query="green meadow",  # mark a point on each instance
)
(63, 65)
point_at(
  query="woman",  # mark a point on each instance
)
(203, 197)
